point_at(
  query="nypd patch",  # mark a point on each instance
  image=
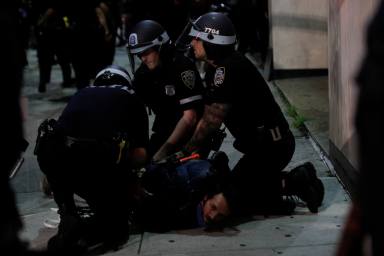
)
(188, 78)
(219, 76)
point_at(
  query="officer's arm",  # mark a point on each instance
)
(212, 120)
(183, 128)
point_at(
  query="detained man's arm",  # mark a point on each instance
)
(183, 129)
(212, 120)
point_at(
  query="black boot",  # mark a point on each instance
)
(220, 161)
(303, 182)
(70, 231)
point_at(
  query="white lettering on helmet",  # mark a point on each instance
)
(212, 31)
(133, 39)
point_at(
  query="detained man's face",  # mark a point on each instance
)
(198, 49)
(150, 58)
(215, 209)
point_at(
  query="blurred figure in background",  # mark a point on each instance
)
(53, 37)
(12, 62)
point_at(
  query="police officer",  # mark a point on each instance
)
(53, 37)
(238, 96)
(169, 84)
(97, 141)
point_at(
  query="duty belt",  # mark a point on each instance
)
(121, 143)
(69, 141)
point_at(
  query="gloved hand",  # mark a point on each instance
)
(173, 158)
(177, 158)
(182, 156)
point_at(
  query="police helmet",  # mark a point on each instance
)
(113, 75)
(215, 28)
(146, 34)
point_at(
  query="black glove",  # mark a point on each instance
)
(182, 156)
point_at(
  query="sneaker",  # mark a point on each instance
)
(303, 182)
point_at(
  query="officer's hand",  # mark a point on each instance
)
(170, 159)
(183, 156)
(177, 156)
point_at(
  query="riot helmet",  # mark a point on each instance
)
(146, 34)
(113, 75)
(214, 28)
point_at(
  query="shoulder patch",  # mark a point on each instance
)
(188, 78)
(219, 76)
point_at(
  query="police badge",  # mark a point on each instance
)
(170, 90)
(188, 78)
(132, 39)
(219, 76)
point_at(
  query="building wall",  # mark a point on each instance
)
(299, 34)
(347, 22)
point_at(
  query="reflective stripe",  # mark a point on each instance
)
(135, 50)
(115, 71)
(275, 132)
(216, 39)
(190, 99)
(125, 88)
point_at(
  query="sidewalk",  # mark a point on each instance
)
(303, 233)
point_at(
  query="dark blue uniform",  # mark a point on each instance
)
(171, 88)
(101, 112)
(88, 154)
(258, 125)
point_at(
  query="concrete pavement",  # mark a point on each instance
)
(303, 233)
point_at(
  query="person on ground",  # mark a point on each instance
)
(186, 194)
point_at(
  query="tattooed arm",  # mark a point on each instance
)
(212, 119)
(184, 128)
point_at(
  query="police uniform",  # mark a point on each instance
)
(256, 122)
(86, 156)
(170, 89)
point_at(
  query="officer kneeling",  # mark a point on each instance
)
(91, 151)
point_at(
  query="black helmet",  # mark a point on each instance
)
(215, 28)
(146, 34)
(112, 75)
